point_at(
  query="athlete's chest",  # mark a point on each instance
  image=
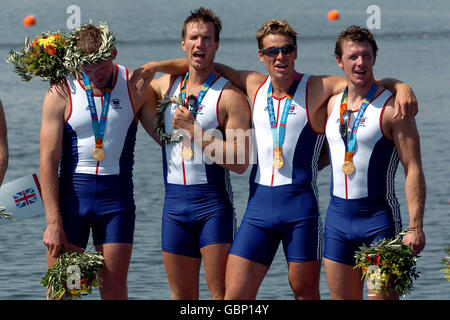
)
(116, 113)
(290, 114)
(366, 128)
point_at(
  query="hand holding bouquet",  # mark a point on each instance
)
(74, 274)
(388, 265)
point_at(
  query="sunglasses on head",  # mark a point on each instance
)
(273, 52)
(344, 123)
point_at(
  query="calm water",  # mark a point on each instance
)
(414, 42)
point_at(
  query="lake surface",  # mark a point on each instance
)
(414, 46)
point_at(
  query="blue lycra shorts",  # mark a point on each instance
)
(351, 223)
(287, 213)
(103, 203)
(195, 216)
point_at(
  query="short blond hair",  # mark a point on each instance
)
(275, 26)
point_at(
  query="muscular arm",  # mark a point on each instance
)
(147, 71)
(247, 81)
(4, 155)
(407, 142)
(405, 100)
(232, 150)
(52, 126)
(320, 88)
(147, 113)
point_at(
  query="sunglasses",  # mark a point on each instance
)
(192, 105)
(273, 52)
(344, 123)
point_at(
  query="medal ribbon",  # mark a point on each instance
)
(351, 143)
(99, 128)
(201, 94)
(196, 101)
(278, 135)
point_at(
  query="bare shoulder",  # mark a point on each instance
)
(327, 84)
(394, 128)
(388, 112)
(232, 95)
(330, 104)
(163, 84)
(233, 108)
(256, 78)
(57, 97)
(249, 81)
(254, 82)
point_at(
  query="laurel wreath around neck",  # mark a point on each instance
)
(74, 59)
(160, 129)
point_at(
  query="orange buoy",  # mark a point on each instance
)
(333, 15)
(29, 21)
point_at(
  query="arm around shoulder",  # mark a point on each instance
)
(247, 81)
(147, 71)
(406, 106)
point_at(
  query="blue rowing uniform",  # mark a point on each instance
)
(363, 206)
(198, 208)
(282, 204)
(98, 194)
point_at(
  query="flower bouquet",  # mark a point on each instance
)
(43, 57)
(388, 266)
(74, 274)
(53, 55)
(446, 260)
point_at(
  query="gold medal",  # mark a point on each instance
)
(348, 167)
(278, 161)
(187, 152)
(99, 154)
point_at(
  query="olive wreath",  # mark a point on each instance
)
(176, 135)
(74, 59)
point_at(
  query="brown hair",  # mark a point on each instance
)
(355, 34)
(204, 15)
(89, 39)
(275, 27)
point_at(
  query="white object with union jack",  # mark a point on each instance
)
(21, 198)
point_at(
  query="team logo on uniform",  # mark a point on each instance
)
(292, 109)
(116, 104)
(25, 197)
(363, 122)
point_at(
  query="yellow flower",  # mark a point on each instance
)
(47, 41)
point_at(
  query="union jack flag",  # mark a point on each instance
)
(25, 197)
